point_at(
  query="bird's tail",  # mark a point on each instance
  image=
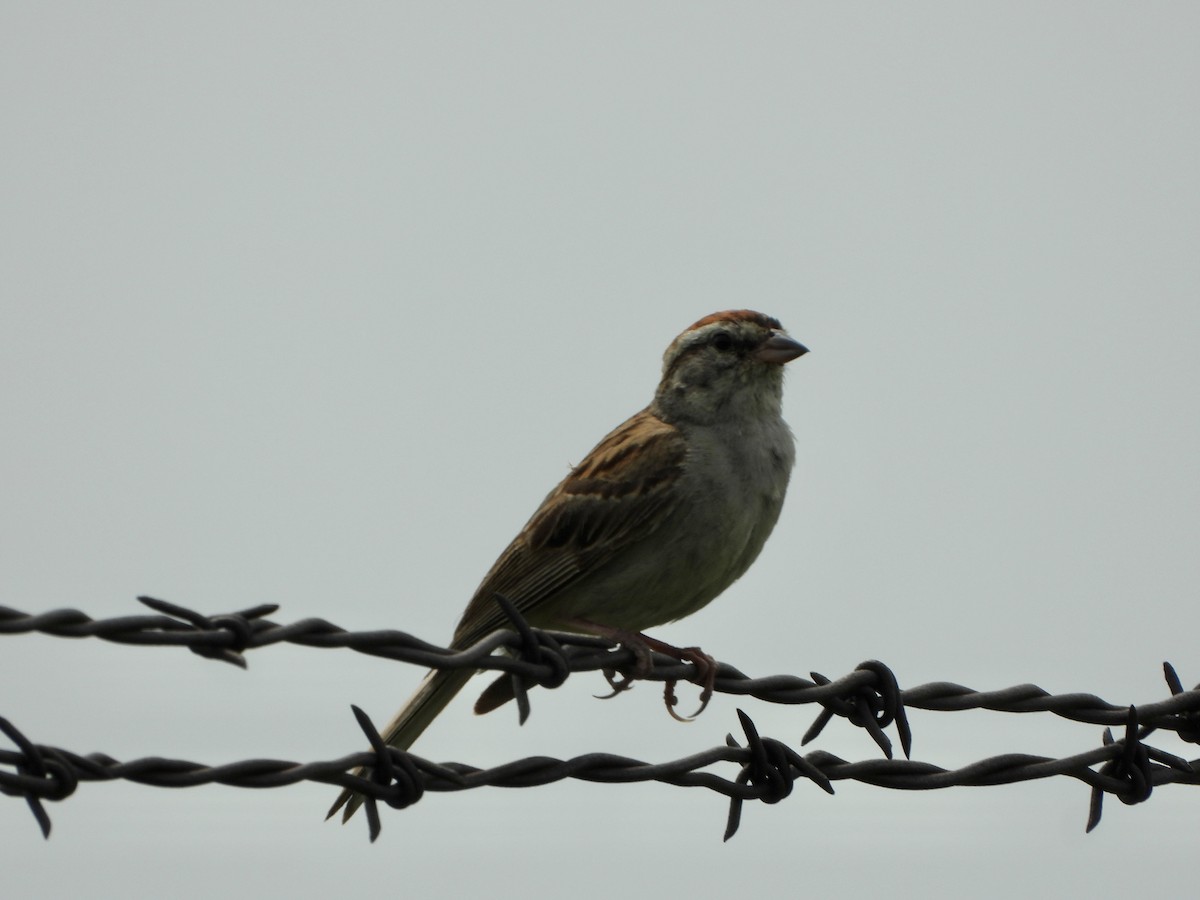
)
(437, 690)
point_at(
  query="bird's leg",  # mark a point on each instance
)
(641, 646)
(642, 664)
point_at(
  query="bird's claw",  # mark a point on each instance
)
(642, 647)
(642, 666)
(706, 677)
(616, 682)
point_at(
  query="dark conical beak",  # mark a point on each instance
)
(779, 349)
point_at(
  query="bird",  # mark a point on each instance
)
(665, 513)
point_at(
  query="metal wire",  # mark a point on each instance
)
(768, 770)
(869, 697)
(545, 658)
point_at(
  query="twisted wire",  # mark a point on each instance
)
(228, 637)
(869, 697)
(768, 770)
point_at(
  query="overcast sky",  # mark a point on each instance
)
(311, 305)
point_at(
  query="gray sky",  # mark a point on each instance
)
(312, 305)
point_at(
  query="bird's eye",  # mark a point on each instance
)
(722, 341)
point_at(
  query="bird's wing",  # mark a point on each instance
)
(617, 496)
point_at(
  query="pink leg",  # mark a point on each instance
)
(642, 646)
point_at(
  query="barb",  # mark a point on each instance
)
(868, 696)
(768, 771)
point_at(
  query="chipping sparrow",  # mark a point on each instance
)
(665, 513)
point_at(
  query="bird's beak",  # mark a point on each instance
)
(779, 349)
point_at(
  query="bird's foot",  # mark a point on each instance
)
(706, 677)
(642, 663)
(641, 646)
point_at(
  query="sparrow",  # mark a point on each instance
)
(664, 514)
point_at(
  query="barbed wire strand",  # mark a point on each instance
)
(545, 658)
(768, 772)
(869, 697)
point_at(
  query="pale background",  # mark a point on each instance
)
(310, 304)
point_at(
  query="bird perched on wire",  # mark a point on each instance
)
(665, 513)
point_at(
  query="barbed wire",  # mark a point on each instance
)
(546, 658)
(768, 771)
(869, 697)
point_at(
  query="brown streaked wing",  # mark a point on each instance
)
(617, 496)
